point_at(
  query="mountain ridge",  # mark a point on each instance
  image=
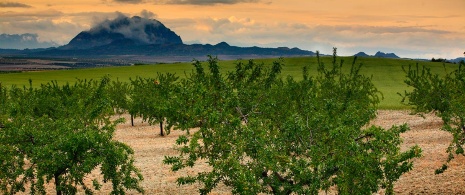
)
(378, 54)
(138, 36)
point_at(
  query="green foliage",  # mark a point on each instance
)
(261, 133)
(3, 104)
(62, 133)
(150, 98)
(387, 73)
(444, 95)
(119, 94)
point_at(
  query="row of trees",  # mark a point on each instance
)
(61, 134)
(443, 95)
(443, 60)
(259, 132)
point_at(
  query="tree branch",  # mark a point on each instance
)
(364, 136)
(243, 117)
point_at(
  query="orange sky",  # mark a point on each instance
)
(413, 28)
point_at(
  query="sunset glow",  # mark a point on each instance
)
(414, 28)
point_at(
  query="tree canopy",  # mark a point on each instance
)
(443, 95)
(262, 133)
(62, 134)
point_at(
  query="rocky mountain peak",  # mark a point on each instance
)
(140, 31)
(385, 55)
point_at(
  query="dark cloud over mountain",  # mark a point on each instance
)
(22, 41)
(142, 31)
(13, 4)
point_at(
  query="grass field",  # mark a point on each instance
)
(387, 74)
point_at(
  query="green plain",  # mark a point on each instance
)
(387, 74)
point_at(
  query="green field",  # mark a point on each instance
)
(387, 74)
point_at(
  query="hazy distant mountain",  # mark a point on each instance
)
(385, 55)
(128, 47)
(456, 60)
(23, 41)
(361, 54)
(140, 31)
(378, 54)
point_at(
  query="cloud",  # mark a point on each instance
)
(190, 2)
(31, 14)
(129, 1)
(14, 4)
(429, 16)
(46, 29)
(141, 29)
(60, 28)
(22, 41)
(209, 2)
(147, 14)
(404, 40)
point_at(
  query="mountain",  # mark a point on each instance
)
(457, 60)
(140, 31)
(385, 55)
(125, 47)
(378, 54)
(138, 38)
(361, 54)
(149, 37)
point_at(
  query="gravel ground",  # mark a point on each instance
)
(150, 149)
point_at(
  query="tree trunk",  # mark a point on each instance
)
(132, 120)
(161, 129)
(57, 184)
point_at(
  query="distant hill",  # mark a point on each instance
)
(129, 47)
(457, 60)
(385, 55)
(378, 54)
(361, 54)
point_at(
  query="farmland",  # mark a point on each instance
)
(387, 74)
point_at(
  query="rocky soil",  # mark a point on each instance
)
(150, 149)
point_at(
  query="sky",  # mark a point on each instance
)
(408, 28)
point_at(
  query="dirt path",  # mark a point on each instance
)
(150, 150)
